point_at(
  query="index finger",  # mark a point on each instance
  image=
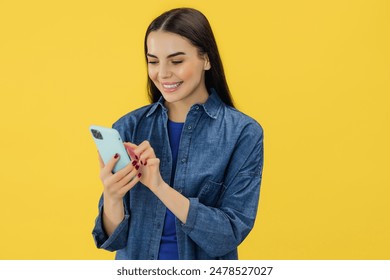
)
(130, 150)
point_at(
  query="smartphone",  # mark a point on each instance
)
(109, 142)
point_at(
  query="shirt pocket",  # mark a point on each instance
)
(210, 193)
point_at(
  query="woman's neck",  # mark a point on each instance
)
(177, 111)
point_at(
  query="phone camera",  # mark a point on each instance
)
(96, 134)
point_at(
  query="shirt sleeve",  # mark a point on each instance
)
(219, 230)
(118, 239)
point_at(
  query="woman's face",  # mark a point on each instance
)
(176, 68)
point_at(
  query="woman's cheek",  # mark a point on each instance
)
(152, 74)
(186, 73)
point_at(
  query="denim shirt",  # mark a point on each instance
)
(219, 169)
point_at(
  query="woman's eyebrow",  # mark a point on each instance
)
(169, 56)
(175, 54)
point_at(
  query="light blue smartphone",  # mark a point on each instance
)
(109, 142)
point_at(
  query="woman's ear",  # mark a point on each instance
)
(207, 65)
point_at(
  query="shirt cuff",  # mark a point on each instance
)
(117, 240)
(192, 214)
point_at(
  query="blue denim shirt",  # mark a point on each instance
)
(219, 169)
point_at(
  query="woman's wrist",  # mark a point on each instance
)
(111, 201)
(158, 187)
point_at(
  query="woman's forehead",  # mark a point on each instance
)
(165, 43)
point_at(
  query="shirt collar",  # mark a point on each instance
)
(154, 107)
(213, 104)
(211, 107)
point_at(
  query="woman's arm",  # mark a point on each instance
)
(173, 200)
(115, 187)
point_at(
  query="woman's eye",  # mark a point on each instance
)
(177, 61)
(152, 62)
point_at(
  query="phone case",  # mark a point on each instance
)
(109, 142)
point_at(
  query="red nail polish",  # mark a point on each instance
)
(139, 175)
(136, 157)
(146, 162)
(141, 162)
(116, 155)
(137, 167)
(134, 163)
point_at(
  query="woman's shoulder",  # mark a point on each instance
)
(133, 122)
(242, 121)
(134, 116)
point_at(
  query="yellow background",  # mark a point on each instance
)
(315, 74)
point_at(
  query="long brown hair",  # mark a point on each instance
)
(195, 27)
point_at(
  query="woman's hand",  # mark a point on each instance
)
(115, 187)
(118, 184)
(149, 173)
(150, 176)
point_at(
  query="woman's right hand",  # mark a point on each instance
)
(118, 184)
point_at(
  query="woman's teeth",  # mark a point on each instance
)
(170, 86)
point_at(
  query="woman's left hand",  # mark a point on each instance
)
(149, 165)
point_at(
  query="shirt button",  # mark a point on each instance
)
(197, 108)
(184, 160)
(189, 127)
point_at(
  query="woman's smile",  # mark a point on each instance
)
(171, 87)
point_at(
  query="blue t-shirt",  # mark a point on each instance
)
(168, 245)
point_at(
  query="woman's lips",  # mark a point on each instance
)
(170, 87)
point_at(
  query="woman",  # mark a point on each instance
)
(193, 187)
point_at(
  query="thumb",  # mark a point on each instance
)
(101, 162)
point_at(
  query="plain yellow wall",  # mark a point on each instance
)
(315, 74)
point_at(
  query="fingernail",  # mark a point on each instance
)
(134, 163)
(146, 162)
(136, 157)
(137, 167)
(116, 155)
(139, 175)
(141, 162)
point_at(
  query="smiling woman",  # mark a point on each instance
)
(193, 188)
(178, 71)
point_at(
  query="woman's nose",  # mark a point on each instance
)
(164, 72)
